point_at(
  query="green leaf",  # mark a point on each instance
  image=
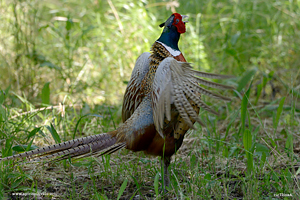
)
(14, 175)
(250, 163)
(279, 111)
(7, 151)
(22, 148)
(258, 92)
(50, 65)
(246, 78)
(2, 96)
(225, 152)
(16, 182)
(260, 149)
(247, 140)
(262, 160)
(260, 87)
(33, 133)
(156, 184)
(29, 145)
(46, 94)
(284, 133)
(28, 176)
(136, 183)
(54, 134)
(3, 116)
(289, 142)
(244, 108)
(233, 53)
(123, 186)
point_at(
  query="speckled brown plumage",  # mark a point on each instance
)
(158, 53)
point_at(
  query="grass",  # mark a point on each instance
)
(65, 66)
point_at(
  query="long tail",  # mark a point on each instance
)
(100, 144)
(126, 136)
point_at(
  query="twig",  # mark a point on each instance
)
(60, 106)
(116, 15)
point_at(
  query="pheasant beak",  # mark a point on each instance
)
(183, 17)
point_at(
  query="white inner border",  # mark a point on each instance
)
(174, 52)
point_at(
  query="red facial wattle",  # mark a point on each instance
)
(178, 23)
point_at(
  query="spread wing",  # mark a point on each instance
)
(132, 96)
(177, 83)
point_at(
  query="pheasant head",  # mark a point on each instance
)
(173, 27)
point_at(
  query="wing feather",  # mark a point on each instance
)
(211, 75)
(177, 83)
(132, 96)
(211, 84)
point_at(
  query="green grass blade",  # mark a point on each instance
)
(3, 115)
(244, 108)
(22, 148)
(289, 144)
(54, 133)
(33, 133)
(278, 114)
(122, 188)
(29, 145)
(246, 78)
(7, 150)
(46, 94)
(247, 141)
(2, 96)
(156, 184)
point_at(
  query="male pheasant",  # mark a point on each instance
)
(161, 103)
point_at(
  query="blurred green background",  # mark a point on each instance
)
(86, 50)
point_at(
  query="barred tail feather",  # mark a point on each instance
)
(81, 147)
(93, 150)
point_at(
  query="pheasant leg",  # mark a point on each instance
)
(165, 162)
